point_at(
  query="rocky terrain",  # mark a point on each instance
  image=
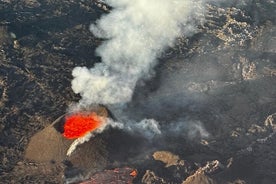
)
(214, 94)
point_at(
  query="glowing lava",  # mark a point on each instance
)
(77, 125)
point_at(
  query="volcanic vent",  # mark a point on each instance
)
(174, 120)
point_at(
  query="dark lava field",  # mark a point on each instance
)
(213, 94)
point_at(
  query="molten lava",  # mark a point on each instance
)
(77, 125)
(134, 173)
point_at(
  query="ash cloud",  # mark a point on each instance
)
(136, 33)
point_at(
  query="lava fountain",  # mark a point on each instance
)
(79, 124)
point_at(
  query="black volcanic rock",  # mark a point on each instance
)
(213, 95)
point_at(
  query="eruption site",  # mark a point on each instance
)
(135, 35)
(204, 114)
(77, 125)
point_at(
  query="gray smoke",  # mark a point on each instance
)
(136, 33)
(193, 130)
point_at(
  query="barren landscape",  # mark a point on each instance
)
(213, 94)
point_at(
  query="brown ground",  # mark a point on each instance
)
(35, 73)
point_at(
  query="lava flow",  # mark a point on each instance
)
(77, 125)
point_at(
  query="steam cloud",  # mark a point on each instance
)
(136, 33)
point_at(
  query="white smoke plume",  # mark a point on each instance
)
(136, 33)
(106, 122)
(193, 130)
(148, 127)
